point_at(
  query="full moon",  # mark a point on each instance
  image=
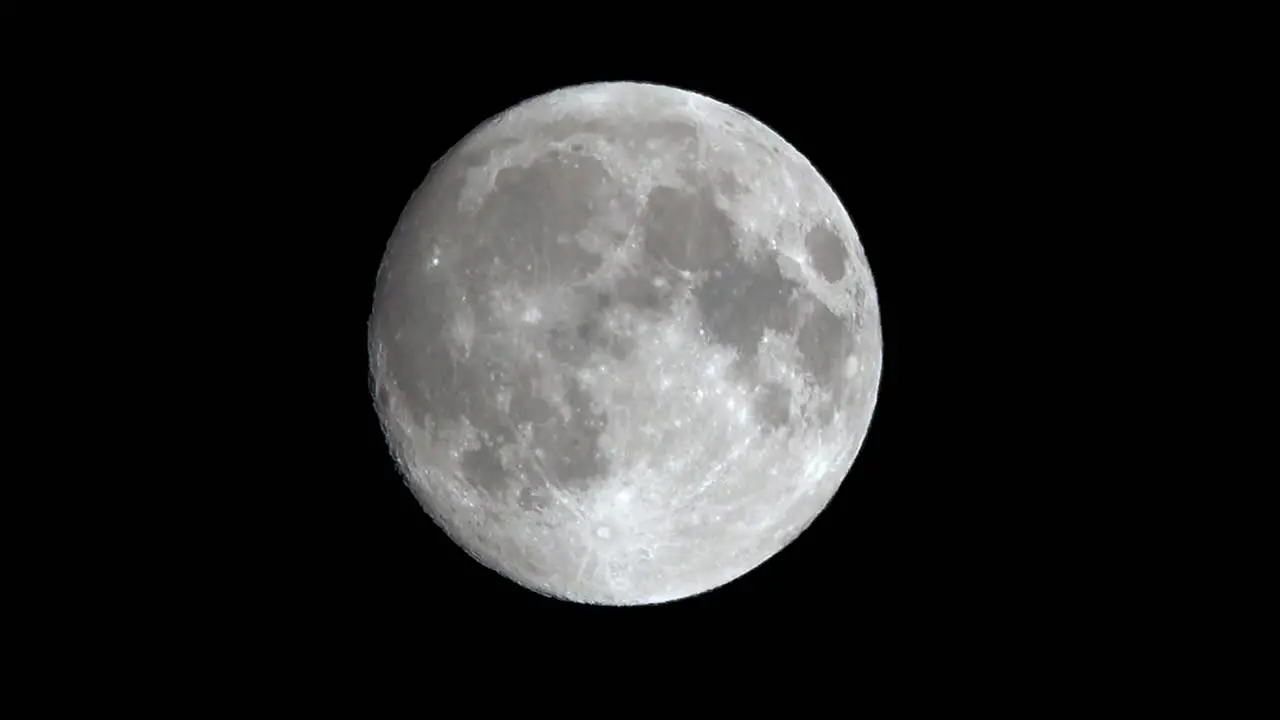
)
(625, 343)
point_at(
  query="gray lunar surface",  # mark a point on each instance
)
(625, 343)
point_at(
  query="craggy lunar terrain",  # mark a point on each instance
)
(625, 343)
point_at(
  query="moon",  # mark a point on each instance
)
(625, 343)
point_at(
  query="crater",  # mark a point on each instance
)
(827, 253)
(686, 230)
(739, 299)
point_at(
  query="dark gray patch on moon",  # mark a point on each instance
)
(575, 337)
(594, 333)
(773, 405)
(530, 408)
(531, 499)
(483, 468)
(730, 186)
(565, 346)
(439, 384)
(571, 446)
(827, 252)
(410, 317)
(738, 300)
(434, 203)
(569, 443)
(523, 232)
(824, 342)
(639, 290)
(686, 230)
(529, 220)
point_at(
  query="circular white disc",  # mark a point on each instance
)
(625, 343)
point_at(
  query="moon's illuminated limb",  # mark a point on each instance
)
(625, 343)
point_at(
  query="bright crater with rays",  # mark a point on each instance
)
(625, 343)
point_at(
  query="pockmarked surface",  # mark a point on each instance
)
(625, 343)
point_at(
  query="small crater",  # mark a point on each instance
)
(827, 253)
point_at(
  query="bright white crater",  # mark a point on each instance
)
(625, 343)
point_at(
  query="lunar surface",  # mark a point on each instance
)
(625, 343)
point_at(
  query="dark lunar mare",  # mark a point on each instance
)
(739, 299)
(827, 253)
(523, 233)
